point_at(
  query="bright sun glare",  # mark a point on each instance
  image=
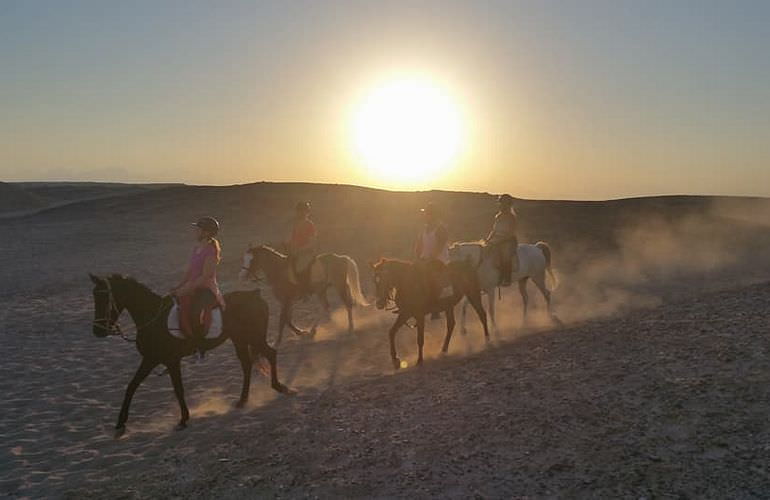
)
(407, 130)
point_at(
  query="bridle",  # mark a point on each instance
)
(107, 323)
(112, 326)
(249, 273)
(390, 297)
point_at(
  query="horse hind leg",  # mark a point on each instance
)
(540, 283)
(272, 358)
(524, 299)
(175, 372)
(244, 356)
(141, 373)
(343, 290)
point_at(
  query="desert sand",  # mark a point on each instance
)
(657, 386)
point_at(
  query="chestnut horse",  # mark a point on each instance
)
(405, 284)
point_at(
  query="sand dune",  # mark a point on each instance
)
(656, 387)
(16, 199)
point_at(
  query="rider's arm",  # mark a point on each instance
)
(209, 267)
(494, 229)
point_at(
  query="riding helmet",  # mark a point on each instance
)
(302, 206)
(429, 209)
(208, 224)
(505, 199)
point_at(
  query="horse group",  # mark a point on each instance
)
(399, 283)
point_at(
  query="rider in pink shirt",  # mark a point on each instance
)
(199, 290)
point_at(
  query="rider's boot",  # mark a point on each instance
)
(506, 270)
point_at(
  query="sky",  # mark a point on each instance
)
(557, 99)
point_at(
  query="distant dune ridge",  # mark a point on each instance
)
(14, 198)
(665, 301)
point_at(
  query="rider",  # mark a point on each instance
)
(301, 245)
(199, 290)
(432, 250)
(502, 239)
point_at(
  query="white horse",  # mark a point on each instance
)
(534, 263)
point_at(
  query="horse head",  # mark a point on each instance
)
(260, 258)
(106, 307)
(384, 281)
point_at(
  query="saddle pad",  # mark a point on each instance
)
(215, 329)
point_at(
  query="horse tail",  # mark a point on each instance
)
(546, 249)
(354, 282)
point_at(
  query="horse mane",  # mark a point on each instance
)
(384, 260)
(269, 249)
(130, 280)
(457, 244)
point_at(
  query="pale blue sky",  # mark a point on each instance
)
(573, 99)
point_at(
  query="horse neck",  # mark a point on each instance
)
(399, 271)
(272, 264)
(140, 302)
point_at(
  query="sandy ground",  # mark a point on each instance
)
(657, 386)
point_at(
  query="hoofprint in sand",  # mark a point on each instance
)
(657, 401)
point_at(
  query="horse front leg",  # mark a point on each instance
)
(400, 320)
(475, 300)
(144, 369)
(492, 314)
(450, 326)
(347, 299)
(281, 324)
(463, 313)
(175, 372)
(420, 337)
(287, 310)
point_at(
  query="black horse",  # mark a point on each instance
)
(244, 322)
(406, 284)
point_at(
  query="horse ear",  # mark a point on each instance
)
(94, 279)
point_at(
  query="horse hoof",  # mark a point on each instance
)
(119, 431)
(181, 426)
(557, 321)
(240, 403)
(396, 363)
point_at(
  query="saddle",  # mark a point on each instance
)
(304, 278)
(212, 321)
(437, 278)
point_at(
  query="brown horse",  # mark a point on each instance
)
(406, 284)
(328, 270)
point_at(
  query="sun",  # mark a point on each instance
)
(407, 130)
